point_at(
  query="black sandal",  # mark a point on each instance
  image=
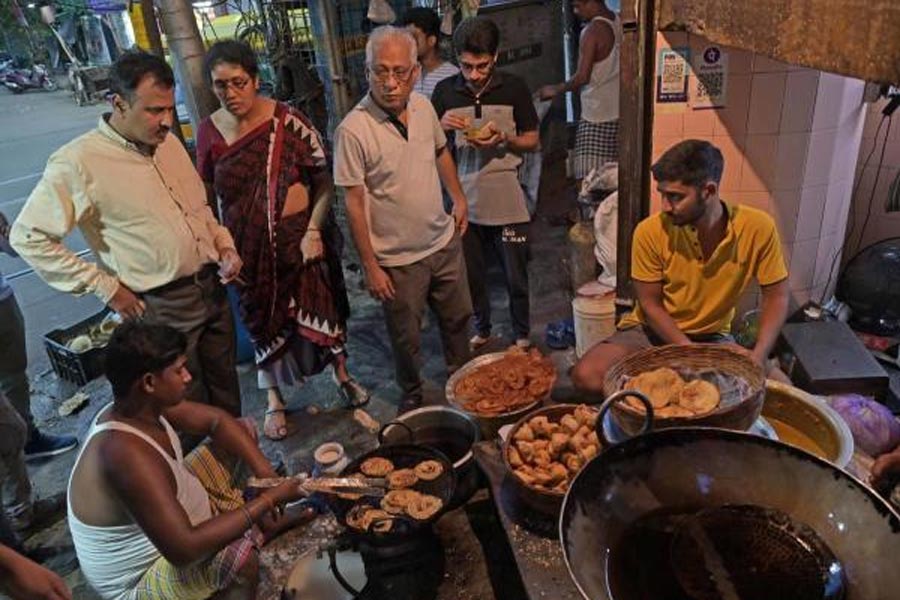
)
(354, 394)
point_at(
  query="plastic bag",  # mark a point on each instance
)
(600, 179)
(606, 222)
(381, 12)
(447, 20)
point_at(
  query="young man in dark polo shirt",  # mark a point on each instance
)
(491, 119)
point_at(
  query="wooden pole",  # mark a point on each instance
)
(636, 72)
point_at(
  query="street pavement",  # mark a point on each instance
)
(32, 126)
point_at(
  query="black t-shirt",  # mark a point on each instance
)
(489, 176)
(504, 89)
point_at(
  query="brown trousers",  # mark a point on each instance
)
(201, 311)
(438, 281)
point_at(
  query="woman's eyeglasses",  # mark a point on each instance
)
(238, 83)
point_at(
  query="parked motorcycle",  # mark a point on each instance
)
(20, 80)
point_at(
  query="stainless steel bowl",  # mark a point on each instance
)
(809, 420)
(490, 424)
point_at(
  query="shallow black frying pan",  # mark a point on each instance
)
(404, 456)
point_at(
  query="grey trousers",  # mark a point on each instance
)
(438, 281)
(14, 481)
(14, 360)
(201, 311)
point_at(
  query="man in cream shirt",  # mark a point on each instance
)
(131, 188)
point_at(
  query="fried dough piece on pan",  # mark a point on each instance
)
(374, 516)
(402, 478)
(424, 507)
(396, 501)
(356, 516)
(382, 525)
(376, 466)
(429, 470)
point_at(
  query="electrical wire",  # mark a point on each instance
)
(853, 195)
(862, 233)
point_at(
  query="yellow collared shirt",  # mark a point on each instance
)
(701, 294)
(145, 218)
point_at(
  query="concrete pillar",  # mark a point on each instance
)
(326, 13)
(186, 47)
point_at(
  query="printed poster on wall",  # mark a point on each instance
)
(710, 84)
(672, 72)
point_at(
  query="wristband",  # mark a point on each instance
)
(247, 516)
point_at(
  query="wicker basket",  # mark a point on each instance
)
(738, 415)
(489, 424)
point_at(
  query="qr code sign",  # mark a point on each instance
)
(710, 85)
(711, 70)
(673, 71)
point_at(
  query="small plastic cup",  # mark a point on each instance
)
(330, 458)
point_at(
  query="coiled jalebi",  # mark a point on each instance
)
(516, 380)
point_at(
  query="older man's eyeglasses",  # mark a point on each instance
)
(383, 74)
(238, 83)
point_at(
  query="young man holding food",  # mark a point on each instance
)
(491, 118)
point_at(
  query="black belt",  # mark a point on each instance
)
(206, 272)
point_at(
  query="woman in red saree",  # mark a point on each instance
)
(267, 166)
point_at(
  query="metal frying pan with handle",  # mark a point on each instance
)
(718, 487)
(403, 456)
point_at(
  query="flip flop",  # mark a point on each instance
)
(280, 432)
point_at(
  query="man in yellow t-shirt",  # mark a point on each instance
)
(690, 265)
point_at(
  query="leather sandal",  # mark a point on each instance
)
(280, 432)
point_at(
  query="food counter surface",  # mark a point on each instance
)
(534, 538)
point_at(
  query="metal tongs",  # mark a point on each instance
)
(364, 486)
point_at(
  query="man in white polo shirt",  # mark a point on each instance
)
(390, 153)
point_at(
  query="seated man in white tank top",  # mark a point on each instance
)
(148, 523)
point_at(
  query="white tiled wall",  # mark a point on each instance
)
(881, 224)
(790, 137)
